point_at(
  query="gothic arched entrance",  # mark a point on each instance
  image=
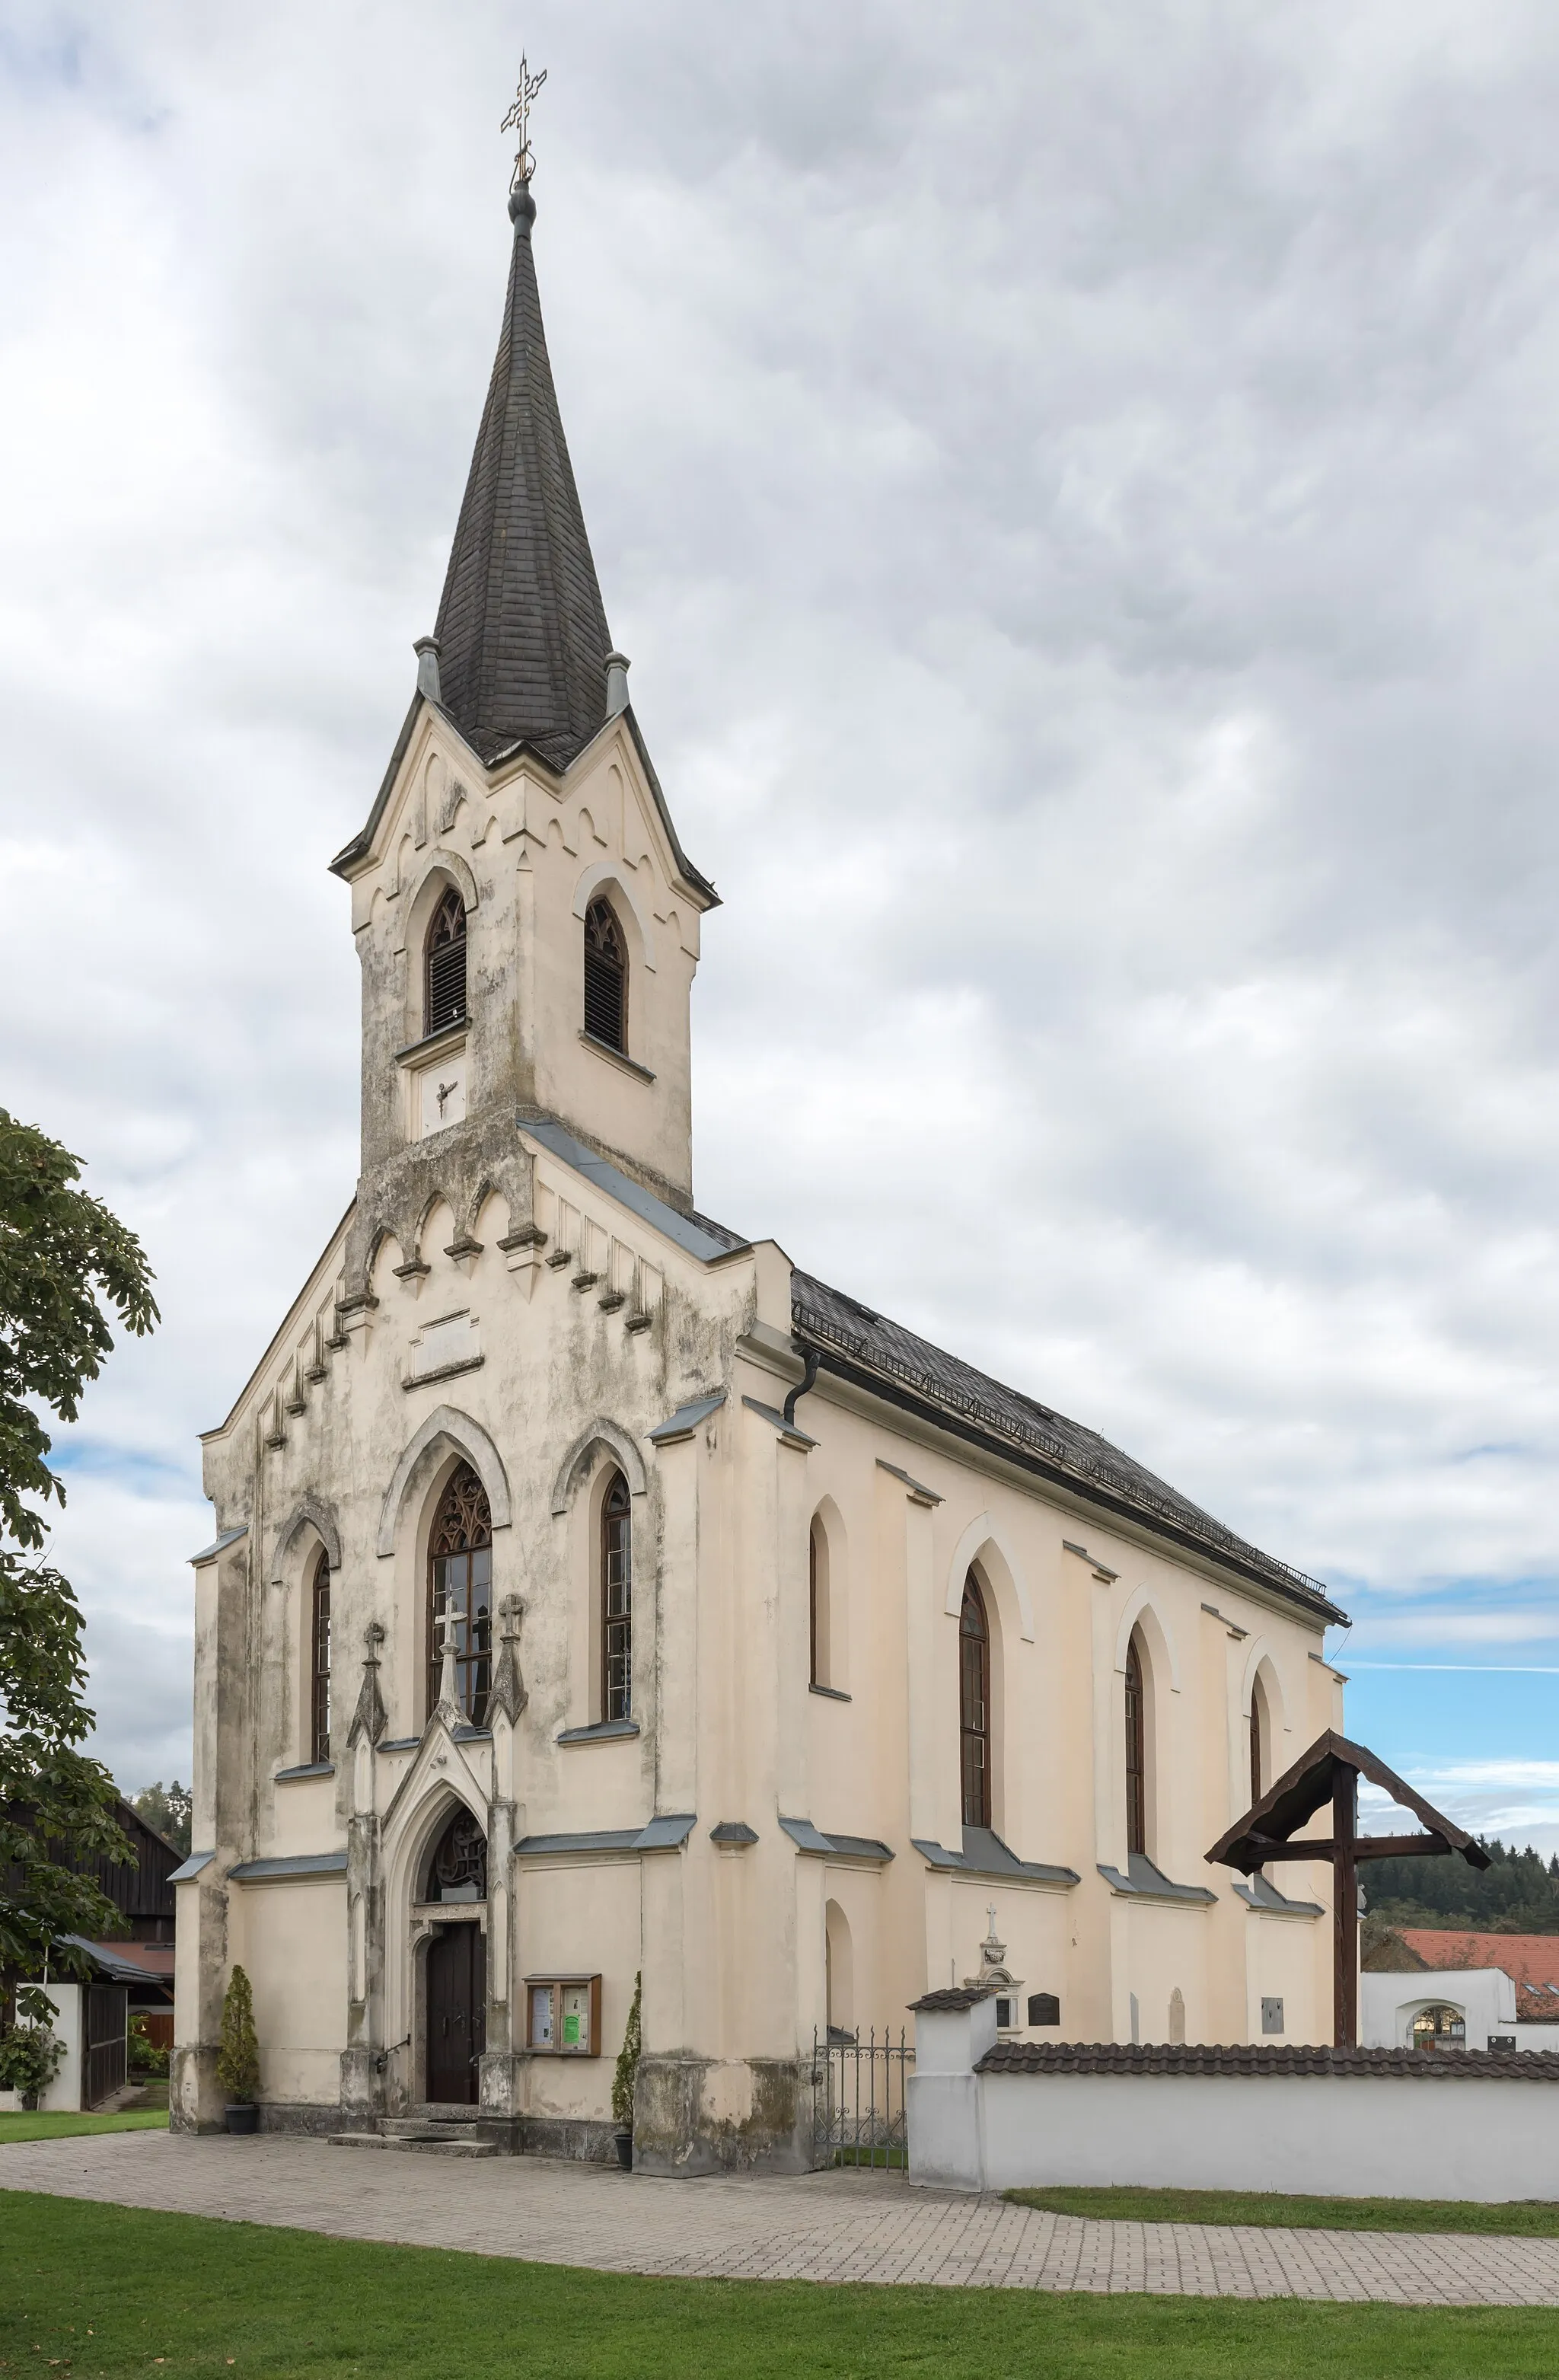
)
(454, 1977)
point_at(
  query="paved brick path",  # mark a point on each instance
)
(832, 2227)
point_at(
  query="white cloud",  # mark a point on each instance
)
(1083, 507)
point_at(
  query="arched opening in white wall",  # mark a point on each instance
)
(606, 977)
(817, 1563)
(1439, 2028)
(615, 1591)
(838, 1955)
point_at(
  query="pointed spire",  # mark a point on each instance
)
(523, 638)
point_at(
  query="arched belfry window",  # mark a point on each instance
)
(606, 977)
(975, 1705)
(617, 1600)
(460, 1583)
(444, 964)
(320, 1660)
(1136, 1752)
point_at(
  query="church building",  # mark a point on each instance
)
(595, 1595)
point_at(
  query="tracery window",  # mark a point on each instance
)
(606, 977)
(444, 964)
(974, 1706)
(457, 1868)
(1136, 1753)
(460, 1583)
(320, 1660)
(617, 1600)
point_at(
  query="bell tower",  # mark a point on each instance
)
(526, 919)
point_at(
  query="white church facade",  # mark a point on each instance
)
(596, 1595)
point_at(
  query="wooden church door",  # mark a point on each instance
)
(456, 2014)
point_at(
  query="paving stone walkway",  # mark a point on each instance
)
(826, 2227)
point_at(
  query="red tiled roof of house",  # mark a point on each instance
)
(1531, 1961)
(157, 1958)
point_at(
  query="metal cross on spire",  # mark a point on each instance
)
(518, 120)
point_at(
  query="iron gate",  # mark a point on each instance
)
(104, 2024)
(858, 2108)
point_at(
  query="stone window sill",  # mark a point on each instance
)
(434, 1045)
(303, 1768)
(832, 1693)
(604, 1731)
(618, 1057)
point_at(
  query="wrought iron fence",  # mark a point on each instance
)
(858, 2107)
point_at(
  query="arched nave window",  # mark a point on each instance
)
(975, 1705)
(1136, 1751)
(617, 1600)
(459, 1583)
(444, 964)
(1258, 1746)
(320, 1660)
(817, 1564)
(606, 977)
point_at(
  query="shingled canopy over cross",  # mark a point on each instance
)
(1330, 1771)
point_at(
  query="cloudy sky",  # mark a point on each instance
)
(1079, 488)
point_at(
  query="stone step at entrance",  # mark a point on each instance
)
(429, 2135)
(423, 2143)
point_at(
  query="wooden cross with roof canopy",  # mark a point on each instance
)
(1330, 1771)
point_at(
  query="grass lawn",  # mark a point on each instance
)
(1530, 2219)
(106, 2290)
(55, 2128)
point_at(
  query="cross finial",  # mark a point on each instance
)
(518, 120)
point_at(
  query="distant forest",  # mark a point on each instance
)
(1519, 1894)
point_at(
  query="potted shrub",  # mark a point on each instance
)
(29, 2056)
(237, 2060)
(624, 2077)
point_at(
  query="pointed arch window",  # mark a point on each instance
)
(444, 964)
(1255, 1744)
(460, 1584)
(606, 977)
(320, 1660)
(817, 1583)
(1136, 1752)
(617, 1600)
(975, 1705)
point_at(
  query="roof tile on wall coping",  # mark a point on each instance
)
(952, 1999)
(883, 1357)
(1196, 2059)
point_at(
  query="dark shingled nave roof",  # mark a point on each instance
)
(883, 1356)
(521, 627)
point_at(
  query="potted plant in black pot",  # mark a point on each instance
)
(622, 2080)
(237, 2060)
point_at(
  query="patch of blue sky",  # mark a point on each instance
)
(78, 1454)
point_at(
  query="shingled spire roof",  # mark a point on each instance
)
(523, 637)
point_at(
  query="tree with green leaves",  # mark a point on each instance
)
(64, 1258)
(238, 2058)
(168, 1809)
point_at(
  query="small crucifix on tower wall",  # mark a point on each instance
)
(518, 120)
